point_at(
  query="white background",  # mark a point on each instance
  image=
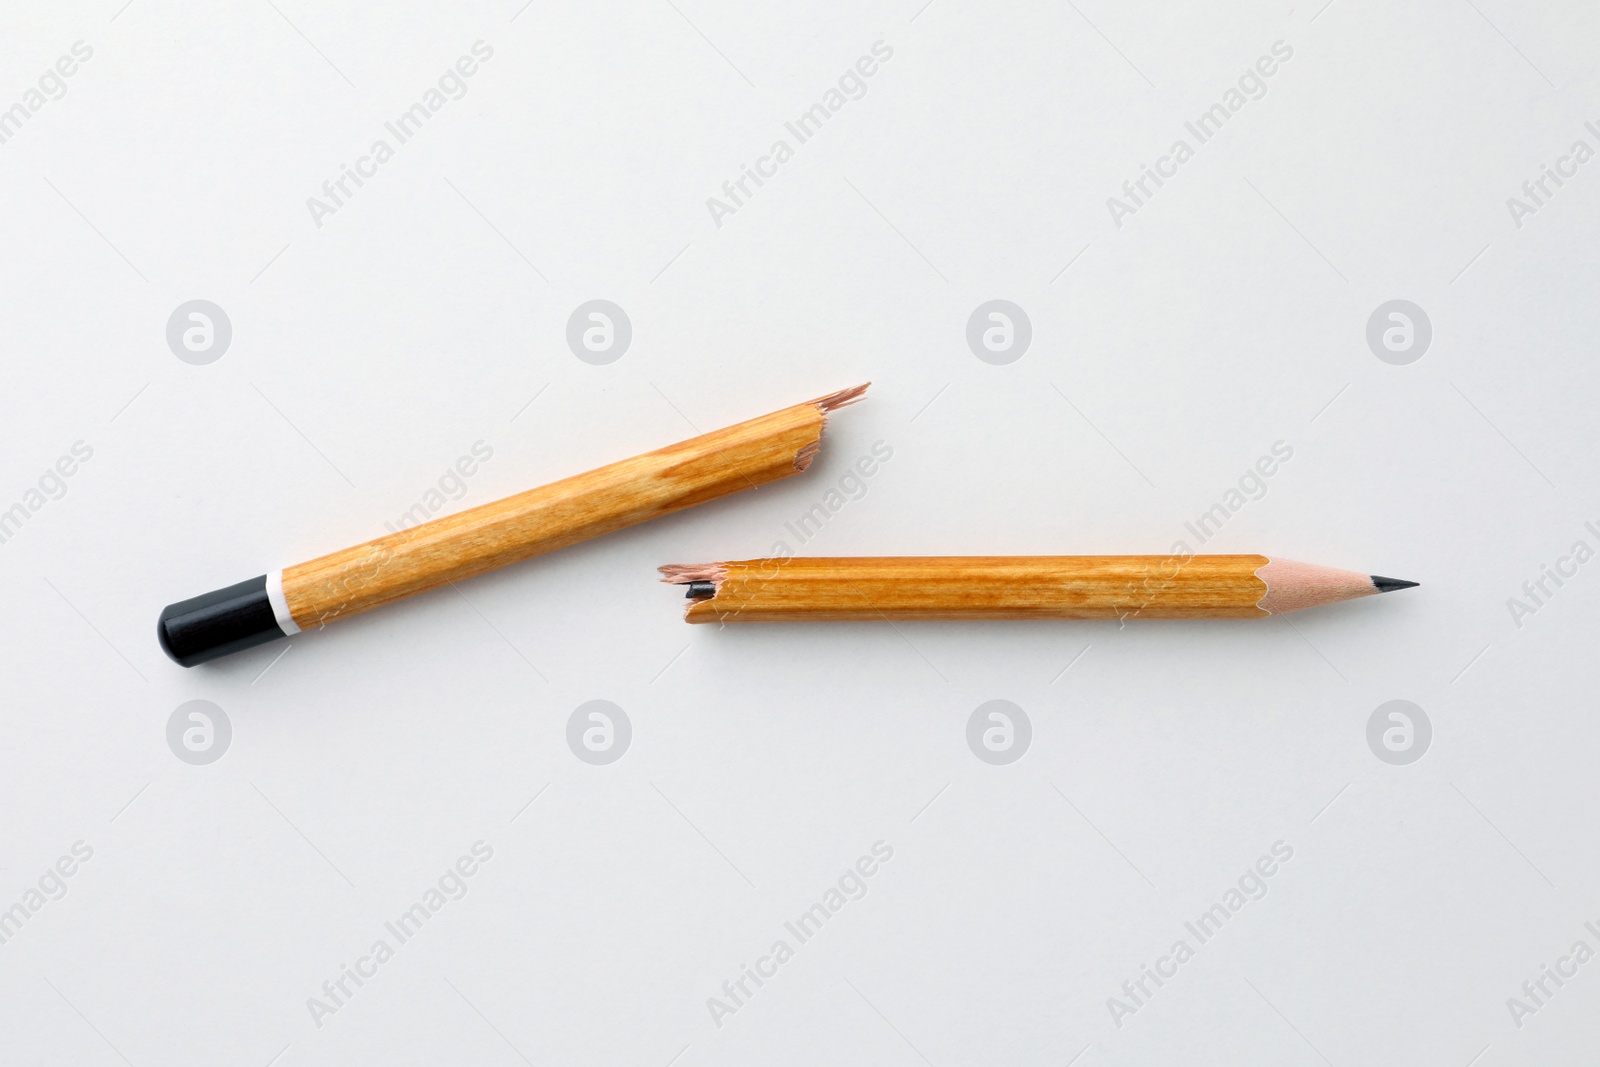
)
(1168, 354)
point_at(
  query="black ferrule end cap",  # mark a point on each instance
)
(218, 623)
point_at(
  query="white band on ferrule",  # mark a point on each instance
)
(280, 605)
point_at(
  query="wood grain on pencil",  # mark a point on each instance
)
(1013, 587)
(574, 509)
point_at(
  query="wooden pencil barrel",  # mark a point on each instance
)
(984, 587)
(574, 509)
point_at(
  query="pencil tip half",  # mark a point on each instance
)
(1389, 585)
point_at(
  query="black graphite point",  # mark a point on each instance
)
(1389, 585)
(702, 590)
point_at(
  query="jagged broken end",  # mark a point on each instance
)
(683, 573)
(827, 404)
(803, 458)
(691, 574)
(843, 398)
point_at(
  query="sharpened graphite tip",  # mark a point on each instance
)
(1389, 585)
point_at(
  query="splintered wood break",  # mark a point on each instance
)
(826, 404)
(683, 573)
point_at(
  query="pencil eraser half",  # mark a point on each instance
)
(218, 623)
